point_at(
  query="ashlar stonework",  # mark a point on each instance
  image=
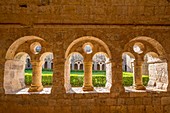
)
(39, 28)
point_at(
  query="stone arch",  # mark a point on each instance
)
(153, 54)
(13, 48)
(77, 46)
(151, 46)
(67, 71)
(127, 67)
(155, 44)
(87, 38)
(102, 53)
(108, 69)
(17, 61)
(44, 55)
(21, 56)
(129, 53)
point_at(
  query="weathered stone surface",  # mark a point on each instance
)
(63, 27)
(165, 100)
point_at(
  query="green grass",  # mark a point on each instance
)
(76, 78)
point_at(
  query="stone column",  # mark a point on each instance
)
(138, 84)
(168, 66)
(67, 76)
(78, 66)
(48, 65)
(88, 86)
(108, 75)
(72, 65)
(36, 85)
(117, 78)
(101, 67)
(105, 67)
(95, 66)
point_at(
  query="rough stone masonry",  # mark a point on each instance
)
(62, 27)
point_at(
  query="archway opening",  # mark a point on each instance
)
(47, 69)
(101, 71)
(128, 69)
(150, 65)
(74, 71)
(87, 46)
(17, 60)
(41, 71)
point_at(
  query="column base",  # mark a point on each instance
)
(117, 88)
(34, 88)
(88, 88)
(139, 87)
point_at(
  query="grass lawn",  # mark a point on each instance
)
(76, 78)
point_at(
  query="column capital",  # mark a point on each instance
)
(37, 62)
(88, 63)
(138, 62)
(116, 60)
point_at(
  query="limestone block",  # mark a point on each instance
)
(160, 10)
(76, 109)
(118, 109)
(121, 101)
(165, 86)
(138, 101)
(14, 76)
(134, 108)
(152, 82)
(135, 10)
(147, 101)
(103, 2)
(165, 100)
(67, 9)
(111, 102)
(148, 10)
(118, 2)
(156, 101)
(73, 2)
(130, 101)
(99, 10)
(154, 109)
(167, 10)
(159, 85)
(104, 109)
(167, 109)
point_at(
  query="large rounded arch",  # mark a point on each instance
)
(150, 47)
(87, 38)
(44, 55)
(13, 48)
(21, 56)
(151, 41)
(68, 69)
(105, 54)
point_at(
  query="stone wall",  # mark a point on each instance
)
(158, 73)
(118, 23)
(82, 12)
(14, 76)
(60, 101)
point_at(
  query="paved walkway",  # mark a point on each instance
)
(96, 90)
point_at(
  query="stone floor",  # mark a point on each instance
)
(25, 91)
(148, 89)
(96, 90)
